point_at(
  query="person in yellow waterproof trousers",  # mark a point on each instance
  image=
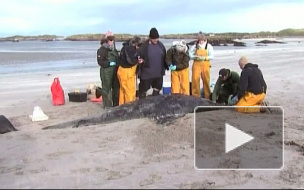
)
(126, 73)
(177, 59)
(201, 52)
(252, 89)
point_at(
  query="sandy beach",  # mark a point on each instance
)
(137, 153)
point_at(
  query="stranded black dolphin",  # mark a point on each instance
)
(162, 109)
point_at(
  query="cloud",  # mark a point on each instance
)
(66, 17)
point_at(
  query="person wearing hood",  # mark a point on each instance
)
(201, 53)
(107, 59)
(126, 73)
(177, 59)
(152, 69)
(252, 87)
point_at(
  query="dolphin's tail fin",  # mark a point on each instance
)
(76, 123)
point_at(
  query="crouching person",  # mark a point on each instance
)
(177, 59)
(252, 87)
(127, 71)
(227, 85)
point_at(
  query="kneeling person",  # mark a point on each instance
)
(177, 59)
(127, 71)
(226, 85)
(252, 87)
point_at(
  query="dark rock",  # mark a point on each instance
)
(239, 44)
(261, 45)
(270, 42)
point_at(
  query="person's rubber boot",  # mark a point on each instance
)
(107, 103)
(155, 92)
(265, 109)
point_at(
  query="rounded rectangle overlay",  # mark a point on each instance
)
(225, 139)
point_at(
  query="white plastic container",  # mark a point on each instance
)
(38, 115)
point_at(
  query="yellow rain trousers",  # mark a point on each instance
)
(201, 69)
(250, 99)
(180, 82)
(127, 79)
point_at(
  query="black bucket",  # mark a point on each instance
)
(78, 96)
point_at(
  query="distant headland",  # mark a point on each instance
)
(214, 38)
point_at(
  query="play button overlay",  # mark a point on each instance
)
(235, 138)
(228, 140)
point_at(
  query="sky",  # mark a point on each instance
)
(68, 17)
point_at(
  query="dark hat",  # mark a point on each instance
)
(223, 72)
(153, 33)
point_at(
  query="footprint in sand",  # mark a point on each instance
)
(27, 137)
(5, 170)
(292, 174)
(40, 170)
(114, 175)
(87, 170)
(56, 155)
(82, 170)
(100, 169)
(197, 185)
(19, 173)
(151, 180)
(96, 151)
(60, 137)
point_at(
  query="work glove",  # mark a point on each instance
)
(195, 58)
(232, 100)
(112, 63)
(172, 67)
(201, 59)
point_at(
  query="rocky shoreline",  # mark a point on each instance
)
(219, 40)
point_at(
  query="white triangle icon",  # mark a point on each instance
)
(235, 138)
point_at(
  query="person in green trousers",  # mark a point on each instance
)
(107, 58)
(227, 85)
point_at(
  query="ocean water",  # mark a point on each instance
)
(37, 56)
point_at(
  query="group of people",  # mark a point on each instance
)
(148, 60)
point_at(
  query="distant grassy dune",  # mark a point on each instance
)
(45, 37)
(216, 38)
(97, 37)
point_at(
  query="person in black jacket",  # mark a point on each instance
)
(107, 59)
(252, 89)
(127, 70)
(151, 71)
